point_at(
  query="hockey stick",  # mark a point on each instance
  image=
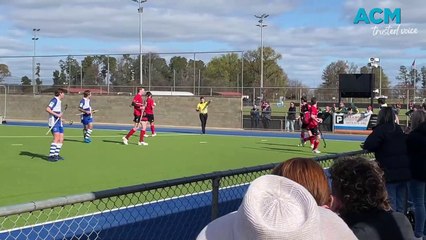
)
(93, 111)
(322, 136)
(50, 129)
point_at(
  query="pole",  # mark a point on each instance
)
(261, 25)
(194, 75)
(174, 80)
(140, 10)
(149, 71)
(108, 75)
(35, 38)
(81, 75)
(261, 61)
(380, 79)
(199, 80)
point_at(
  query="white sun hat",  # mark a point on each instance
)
(275, 207)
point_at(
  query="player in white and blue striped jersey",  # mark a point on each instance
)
(55, 122)
(86, 116)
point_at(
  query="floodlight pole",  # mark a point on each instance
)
(140, 11)
(261, 25)
(35, 38)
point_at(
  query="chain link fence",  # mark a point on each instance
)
(175, 209)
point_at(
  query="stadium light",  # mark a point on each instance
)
(140, 11)
(375, 62)
(261, 25)
(35, 38)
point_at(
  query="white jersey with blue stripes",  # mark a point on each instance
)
(85, 105)
(56, 106)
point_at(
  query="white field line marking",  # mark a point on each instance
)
(203, 142)
(119, 208)
(263, 140)
(104, 136)
(17, 144)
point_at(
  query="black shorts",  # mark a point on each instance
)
(314, 131)
(136, 118)
(150, 118)
(304, 126)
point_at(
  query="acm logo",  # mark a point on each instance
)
(375, 16)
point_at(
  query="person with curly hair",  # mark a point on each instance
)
(387, 141)
(416, 142)
(359, 186)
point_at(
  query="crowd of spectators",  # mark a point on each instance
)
(360, 199)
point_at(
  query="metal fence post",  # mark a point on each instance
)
(215, 197)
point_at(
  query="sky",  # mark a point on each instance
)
(310, 34)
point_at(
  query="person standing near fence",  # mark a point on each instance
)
(55, 123)
(202, 109)
(254, 117)
(86, 116)
(291, 118)
(388, 142)
(266, 115)
(416, 148)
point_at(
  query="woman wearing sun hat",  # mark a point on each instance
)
(275, 207)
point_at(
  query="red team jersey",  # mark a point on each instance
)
(138, 104)
(313, 123)
(149, 109)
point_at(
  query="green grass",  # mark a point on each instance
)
(107, 163)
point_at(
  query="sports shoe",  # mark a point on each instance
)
(59, 157)
(302, 143)
(153, 135)
(87, 140)
(146, 135)
(142, 143)
(316, 151)
(125, 141)
(52, 159)
(312, 146)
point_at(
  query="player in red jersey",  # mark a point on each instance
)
(149, 110)
(313, 125)
(138, 109)
(304, 121)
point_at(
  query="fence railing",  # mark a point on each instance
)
(174, 209)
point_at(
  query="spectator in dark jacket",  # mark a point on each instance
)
(359, 188)
(291, 118)
(387, 141)
(254, 117)
(266, 115)
(416, 147)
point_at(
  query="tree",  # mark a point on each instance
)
(125, 71)
(4, 72)
(71, 68)
(179, 70)
(408, 79)
(38, 81)
(329, 88)
(223, 71)
(330, 75)
(160, 71)
(275, 78)
(423, 73)
(26, 84)
(377, 77)
(59, 78)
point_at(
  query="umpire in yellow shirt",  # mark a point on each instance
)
(202, 108)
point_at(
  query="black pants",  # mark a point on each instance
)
(203, 119)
